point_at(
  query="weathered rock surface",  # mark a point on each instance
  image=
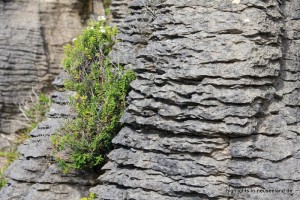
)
(119, 10)
(31, 43)
(35, 174)
(32, 35)
(213, 114)
(215, 107)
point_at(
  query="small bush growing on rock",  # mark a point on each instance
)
(101, 89)
(91, 196)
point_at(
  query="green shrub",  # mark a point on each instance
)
(91, 196)
(101, 89)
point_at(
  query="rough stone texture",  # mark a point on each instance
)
(35, 175)
(215, 107)
(213, 114)
(31, 43)
(119, 10)
(32, 35)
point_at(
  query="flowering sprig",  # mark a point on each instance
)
(101, 29)
(101, 18)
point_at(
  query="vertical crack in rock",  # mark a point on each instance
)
(32, 34)
(215, 107)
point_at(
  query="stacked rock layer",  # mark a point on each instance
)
(35, 174)
(214, 112)
(32, 34)
(119, 10)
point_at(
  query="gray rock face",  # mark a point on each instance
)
(35, 174)
(32, 36)
(119, 10)
(214, 112)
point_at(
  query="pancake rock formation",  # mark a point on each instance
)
(213, 113)
(32, 36)
(35, 174)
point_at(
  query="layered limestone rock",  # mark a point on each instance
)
(214, 112)
(119, 10)
(35, 174)
(31, 39)
(32, 35)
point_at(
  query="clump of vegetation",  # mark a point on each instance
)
(101, 90)
(34, 110)
(106, 5)
(9, 157)
(91, 196)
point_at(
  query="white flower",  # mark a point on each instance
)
(74, 39)
(101, 18)
(101, 30)
(236, 1)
